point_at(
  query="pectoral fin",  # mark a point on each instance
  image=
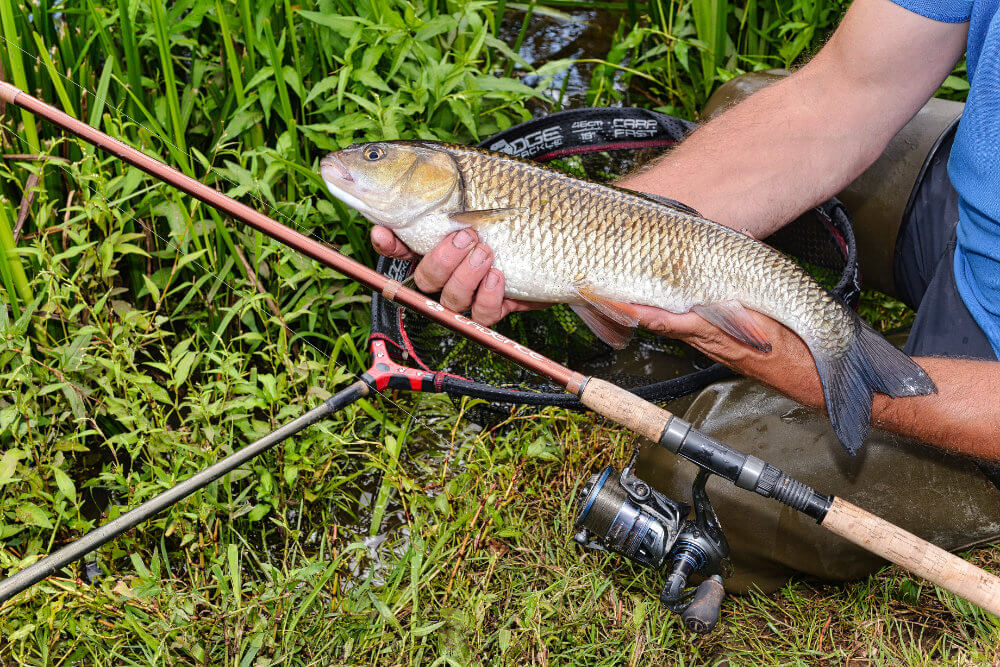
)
(733, 318)
(483, 217)
(611, 321)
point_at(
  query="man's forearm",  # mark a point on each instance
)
(963, 417)
(762, 163)
(801, 140)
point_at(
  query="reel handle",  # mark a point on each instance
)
(702, 613)
(915, 554)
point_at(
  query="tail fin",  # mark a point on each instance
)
(870, 364)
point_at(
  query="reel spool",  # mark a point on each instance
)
(625, 515)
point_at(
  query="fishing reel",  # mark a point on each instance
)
(623, 514)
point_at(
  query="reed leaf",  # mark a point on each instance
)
(15, 279)
(179, 140)
(13, 37)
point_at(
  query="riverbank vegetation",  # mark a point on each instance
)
(143, 337)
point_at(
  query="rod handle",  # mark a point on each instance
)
(915, 554)
(625, 408)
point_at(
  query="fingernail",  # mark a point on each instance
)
(492, 279)
(478, 256)
(463, 239)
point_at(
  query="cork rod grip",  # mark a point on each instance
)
(914, 554)
(625, 408)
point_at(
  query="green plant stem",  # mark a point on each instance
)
(12, 260)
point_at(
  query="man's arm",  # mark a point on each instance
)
(780, 152)
(798, 142)
(963, 417)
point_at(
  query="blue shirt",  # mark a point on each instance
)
(974, 164)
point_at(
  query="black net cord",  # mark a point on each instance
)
(848, 289)
(664, 391)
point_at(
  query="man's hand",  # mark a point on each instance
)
(788, 367)
(461, 269)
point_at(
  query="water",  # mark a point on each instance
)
(585, 34)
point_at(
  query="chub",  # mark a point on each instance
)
(600, 249)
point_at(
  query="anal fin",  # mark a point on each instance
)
(733, 318)
(611, 321)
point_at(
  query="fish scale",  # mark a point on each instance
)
(642, 248)
(600, 249)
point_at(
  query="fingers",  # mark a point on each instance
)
(386, 243)
(436, 267)
(460, 290)
(676, 325)
(489, 307)
(461, 269)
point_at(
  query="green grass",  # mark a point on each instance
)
(136, 349)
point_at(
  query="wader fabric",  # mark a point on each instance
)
(924, 270)
(943, 498)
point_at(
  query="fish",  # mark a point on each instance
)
(600, 249)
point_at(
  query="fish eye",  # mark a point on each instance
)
(372, 153)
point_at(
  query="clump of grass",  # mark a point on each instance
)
(676, 54)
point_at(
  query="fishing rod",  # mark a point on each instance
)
(617, 404)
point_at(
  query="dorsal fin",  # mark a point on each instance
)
(673, 203)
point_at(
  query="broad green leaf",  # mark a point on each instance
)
(343, 25)
(32, 514)
(259, 512)
(64, 483)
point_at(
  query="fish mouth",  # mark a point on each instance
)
(333, 170)
(342, 185)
